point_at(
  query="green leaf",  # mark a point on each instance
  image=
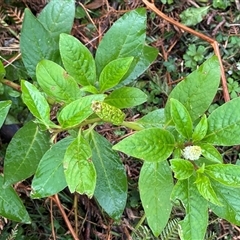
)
(194, 225)
(57, 17)
(108, 112)
(223, 4)
(155, 186)
(24, 153)
(226, 174)
(192, 16)
(11, 206)
(197, 91)
(77, 111)
(126, 38)
(205, 189)
(4, 108)
(210, 153)
(113, 72)
(111, 188)
(155, 118)
(79, 170)
(49, 178)
(181, 118)
(201, 129)
(146, 55)
(36, 103)
(126, 97)
(56, 82)
(230, 199)
(36, 43)
(127, 41)
(182, 168)
(77, 60)
(223, 125)
(2, 70)
(151, 144)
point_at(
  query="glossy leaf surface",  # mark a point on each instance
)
(230, 198)
(36, 43)
(79, 170)
(56, 82)
(201, 129)
(194, 225)
(205, 189)
(111, 188)
(36, 102)
(223, 124)
(227, 174)
(182, 168)
(8, 199)
(77, 60)
(49, 178)
(197, 90)
(155, 186)
(113, 72)
(77, 111)
(57, 17)
(211, 153)
(126, 97)
(181, 118)
(151, 144)
(4, 108)
(24, 153)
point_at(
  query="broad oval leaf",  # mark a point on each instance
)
(36, 103)
(227, 174)
(77, 60)
(77, 111)
(24, 153)
(155, 186)
(36, 43)
(113, 72)
(79, 170)
(182, 168)
(56, 82)
(181, 118)
(151, 144)
(126, 97)
(223, 124)
(230, 198)
(4, 108)
(11, 206)
(194, 225)
(49, 178)
(197, 90)
(111, 187)
(205, 189)
(57, 17)
(125, 40)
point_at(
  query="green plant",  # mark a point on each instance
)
(233, 87)
(188, 137)
(194, 56)
(89, 91)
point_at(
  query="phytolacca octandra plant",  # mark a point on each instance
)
(184, 135)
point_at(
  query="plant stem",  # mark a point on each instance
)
(75, 204)
(132, 125)
(140, 222)
(11, 84)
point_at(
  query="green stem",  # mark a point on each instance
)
(132, 125)
(140, 222)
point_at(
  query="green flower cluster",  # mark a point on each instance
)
(108, 113)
